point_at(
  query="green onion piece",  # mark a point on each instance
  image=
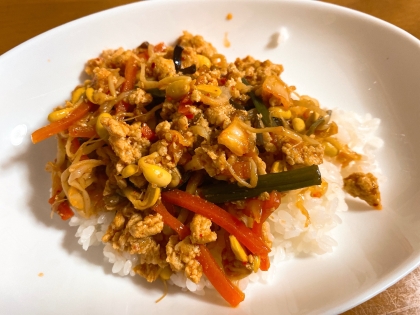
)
(157, 93)
(284, 181)
(315, 125)
(260, 107)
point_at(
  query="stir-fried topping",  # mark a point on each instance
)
(158, 132)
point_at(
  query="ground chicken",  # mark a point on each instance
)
(200, 230)
(303, 153)
(150, 225)
(211, 158)
(148, 271)
(116, 225)
(140, 98)
(220, 116)
(198, 43)
(100, 79)
(161, 67)
(181, 255)
(126, 140)
(365, 187)
(256, 71)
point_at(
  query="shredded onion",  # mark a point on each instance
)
(201, 131)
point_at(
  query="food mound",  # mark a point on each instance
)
(190, 157)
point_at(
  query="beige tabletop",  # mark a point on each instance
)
(23, 19)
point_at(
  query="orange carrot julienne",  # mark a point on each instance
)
(219, 216)
(176, 225)
(62, 124)
(130, 73)
(230, 292)
(82, 131)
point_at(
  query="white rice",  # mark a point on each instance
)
(287, 224)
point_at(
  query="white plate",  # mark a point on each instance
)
(341, 57)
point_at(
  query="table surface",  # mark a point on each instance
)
(42, 15)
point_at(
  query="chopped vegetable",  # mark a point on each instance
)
(64, 210)
(59, 114)
(219, 216)
(177, 58)
(283, 181)
(235, 138)
(81, 131)
(154, 174)
(237, 249)
(130, 73)
(100, 129)
(261, 108)
(129, 170)
(182, 230)
(298, 124)
(62, 124)
(218, 279)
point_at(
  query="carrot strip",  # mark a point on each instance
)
(64, 210)
(130, 73)
(82, 131)
(62, 124)
(219, 216)
(176, 225)
(231, 293)
(268, 206)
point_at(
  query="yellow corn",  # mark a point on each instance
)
(329, 149)
(100, 129)
(129, 170)
(298, 124)
(214, 91)
(279, 112)
(89, 94)
(75, 198)
(237, 249)
(77, 93)
(256, 263)
(277, 167)
(155, 174)
(203, 61)
(59, 114)
(166, 273)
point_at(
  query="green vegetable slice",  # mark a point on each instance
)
(261, 109)
(284, 181)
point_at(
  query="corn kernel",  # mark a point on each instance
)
(59, 114)
(77, 93)
(277, 167)
(213, 90)
(279, 112)
(237, 249)
(100, 129)
(129, 170)
(329, 149)
(203, 61)
(298, 124)
(155, 174)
